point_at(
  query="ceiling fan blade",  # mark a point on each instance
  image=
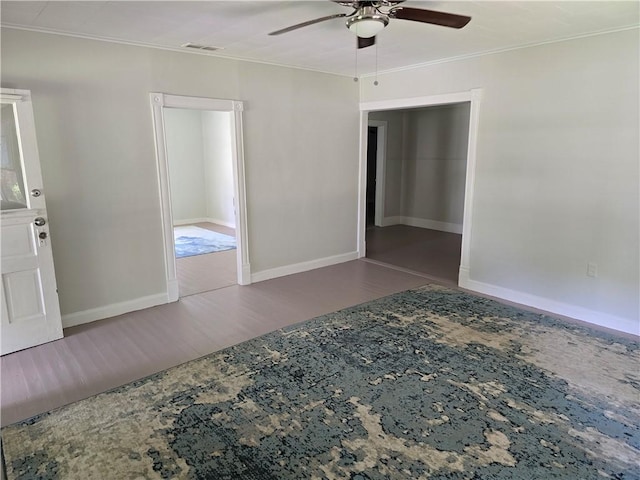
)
(430, 16)
(310, 22)
(366, 42)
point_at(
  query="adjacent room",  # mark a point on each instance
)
(199, 155)
(222, 257)
(418, 224)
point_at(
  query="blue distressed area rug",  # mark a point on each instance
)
(190, 241)
(430, 383)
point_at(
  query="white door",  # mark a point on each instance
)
(30, 310)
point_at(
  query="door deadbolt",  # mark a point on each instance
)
(36, 192)
(39, 221)
(42, 235)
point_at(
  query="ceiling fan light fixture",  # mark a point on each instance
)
(367, 23)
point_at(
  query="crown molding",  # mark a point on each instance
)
(496, 51)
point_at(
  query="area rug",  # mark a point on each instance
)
(190, 241)
(428, 383)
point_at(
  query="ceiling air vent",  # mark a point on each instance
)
(201, 47)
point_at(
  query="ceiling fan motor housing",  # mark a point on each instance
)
(367, 22)
(362, 3)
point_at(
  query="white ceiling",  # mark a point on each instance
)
(241, 28)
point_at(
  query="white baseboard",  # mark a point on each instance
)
(573, 311)
(433, 224)
(173, 291)
(245, 274)
(191, 221)
(108, 311)
(423, 223)
(396, 220)
(302, 267)
(224, 223)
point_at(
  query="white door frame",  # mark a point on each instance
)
(160, 101)
(381, 162)
(474, 97)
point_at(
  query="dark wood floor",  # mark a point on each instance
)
(432, 253)
(101, 355)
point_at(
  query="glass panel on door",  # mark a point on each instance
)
(12, 191)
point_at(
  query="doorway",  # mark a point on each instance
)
(421, 227)
(228, 218)
(199, 147)
(427, 162)
(372, 155)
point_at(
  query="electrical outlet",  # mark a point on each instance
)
(592, 269)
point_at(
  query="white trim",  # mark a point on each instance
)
(14, 96)
(224, 223)
(473, 96)
(412, 102)
(381, 168)
(495, 51)
(434, 225)
(191, 51)
(395, 220)
(362, 187)
(297, 67)
(470, 181)
(423, 223)
(240, 195)
(165, 195)
(197, 103)
(173, 290)
(303, 267)
(160, 101)
(115, 309)
(190, 221)
(552, 306)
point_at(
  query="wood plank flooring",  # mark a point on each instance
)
(428, 252)
(101, 355)
(202, 273)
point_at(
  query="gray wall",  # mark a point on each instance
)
(185, 156)
(96, 142)
(218, 167)
(200, 166)
(436, 154)
(426, 164)
(556, 175)
(557, 170)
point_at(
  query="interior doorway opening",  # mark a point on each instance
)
(372, 155)
(202, 189)
(199, 156)
(424, 182)
(420, 228)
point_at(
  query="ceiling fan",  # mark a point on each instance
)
(370, 17)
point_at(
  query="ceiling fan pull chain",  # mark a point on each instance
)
(355, 78)
(375, 82)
